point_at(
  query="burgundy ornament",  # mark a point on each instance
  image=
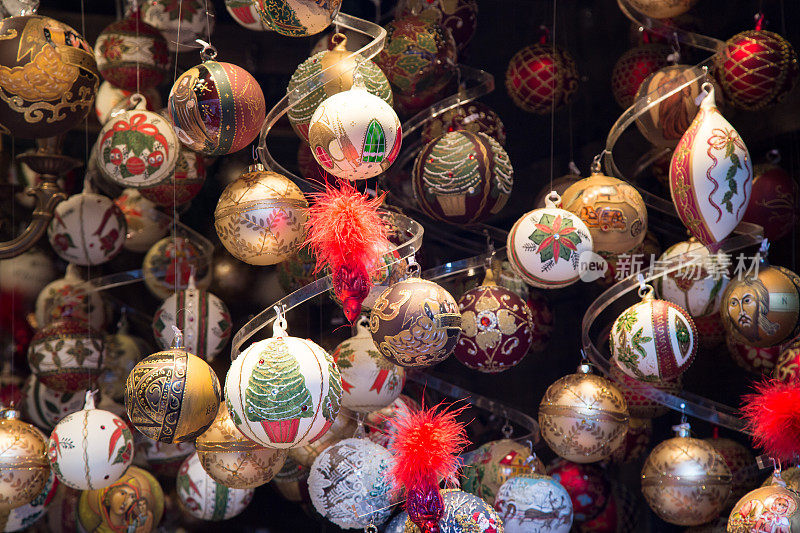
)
(633, 68)
(541, 78)
(636, 443)
(756, 360)
(458, 16)
(586, 484)
(542, 320)
(788, 366)
(710, 331)
(773, 201)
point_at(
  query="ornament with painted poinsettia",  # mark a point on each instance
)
(202, 497)
(132, 54)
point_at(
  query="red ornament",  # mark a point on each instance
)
(773, 419)
(787, 368)
(541, 78)
(756, 69)
(542, 320)
(710, 331)
(620, 514)
(773, 201)
(633, 68)
(636, 443)
(586, 484)
(753, 359)
(639, 405)
(742, 465)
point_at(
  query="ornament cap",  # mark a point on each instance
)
(362, 327)
(683, 430)
(584, 368)
(709, 100)
(552, 200)
(9, 414)
(339, 42)
(256, 167)
(489, 278)
(89, 403)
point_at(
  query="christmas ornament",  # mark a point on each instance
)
(473, 117)
(245, 13)
(291, 482)
(756, 68)
(587, 486)
(233, 460)
(111, 101)
(23, 460)
(348, 484)
(122, 352)
(637, 440)
(662, 9)
(66, 355)
(204, 498)
(787, 368)
(135, 502)
(172, 396)
(612, 209)
(544, 245)
(297, 271)
(380, 424)
(182, 184)
(497, 327)
(48, 77)
(87, 229)
(541, 78)
(354, 134)
(685, 481)
(203, 319)
(415, 323)
(462, 177)
(45, 407)
(754, 360)
(492, 464)
(260, 218)
(462, 512)
(180, 21)
(137, 148)
(639, 404)
(653, 340)
(27, 274)
(146, 224)
(762, 309)
(534, 502)
(369, 381)
(91, 448)
(710, 174)
(633, 68)
(283, 392)
(710, 331)
(309, 168)
(770, 508)
(159, 458)
(583, 417)
(297, 18)
(460, 16)
(216, 108)
(773, 202)
(343, 427)
(419, 59)
(132, 54)
(170, 262)
(742, 464)
(23, 517)
(339, 78)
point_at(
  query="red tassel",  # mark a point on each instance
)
(772, 414)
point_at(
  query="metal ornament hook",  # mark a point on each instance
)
(208, 52)
(552, 200)
(280, 325)
(177, 339)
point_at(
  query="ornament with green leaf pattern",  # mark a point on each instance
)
(683, 335)
(556, 237)
(728, 139)
(629, 353)
(277, 389)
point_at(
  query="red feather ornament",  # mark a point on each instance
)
(346, 233)
(426, 446)
(772, 414)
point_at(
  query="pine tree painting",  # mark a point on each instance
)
(332, 402)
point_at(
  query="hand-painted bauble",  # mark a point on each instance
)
(111, 100)
(23, 517)
(639, 404)
(774, 201)
(636, 443)
(44, 407)
(459, 16)
(790, 476)
(172, 396)
(348, 484)
(492, 464)
(710, 331)
(297, 271)
(742, 464)
(754, 359)
(379, 424)
(612, 209)
(23, 460)
(787, 368)
(653, 340)
(283, 392)
(698, 286)
(340, 69)
(48, 77)
(216, 108)
(180, 21)
(533, 502)
(170, 263)
(464, 512)
(232, 459)
(309, 168)
(685, 481)
(587, 486)
(710, 175)
(134, 503)
(203, 319)
(87, 229)
(369, 381)
(662, 9)
(146, 224)
(583, 417)
(132, 54)
(182, 184)
(202, 497)
(66, 355)
(260, 218)
(297, 18)
(473, 117)
(91, 448)
(771, 508)
(419, 59)
(544, 246)
(633, 68)
(245, 13)
(496, 328)
(415, 323)
(756, 69)
(762, 310)
(355, 135)
(541, 78)
(159, 458)
(462, 177)
(27, 274)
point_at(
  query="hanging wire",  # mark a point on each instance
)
(553, 103)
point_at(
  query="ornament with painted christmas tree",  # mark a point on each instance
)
(354, 134)
(111, 101)
(544, 245)
(541, 77)
(91, 448)
(132, 54)
(583, 417)
(587, 486)
(87, 229)
(146, 224)
(474, 117)
(283, 392)
(698, 286)
(202, 497)
(633, 68)
(640, 405)
(180, 21)
(340, 77)
(44, 407)
(182, 184)
(773, 507)
(170, 262)
(66, 355)
(23, 460)
(773, 201)
(462, 177)
(653, 340)
(245, 13)
(533, 502)
(23, 517)
(494, 463)
(297, 18)
(458, 16)
(369, 381)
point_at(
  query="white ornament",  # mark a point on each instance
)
(531, 503)
(90, 449)
(355, 134)
(204, 498)
(27, 274)
(146, 224)
(44, 407)
(22, 518)
(70, 296)
(348, 484)
(699, 286)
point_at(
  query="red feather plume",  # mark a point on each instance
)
(772, 415)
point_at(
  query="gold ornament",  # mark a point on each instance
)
(232, 459)
(772, 508)
(23, 461)
(685, 481)
(494, 463)
(583, 417)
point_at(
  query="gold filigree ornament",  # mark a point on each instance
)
(24, 468)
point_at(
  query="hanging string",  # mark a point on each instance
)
(553, 103)
(208, 24)
(13, 296)
(138, 42)
(173, 262)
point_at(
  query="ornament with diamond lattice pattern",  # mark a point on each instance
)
(541, 77)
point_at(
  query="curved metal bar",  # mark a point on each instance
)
(47, 195)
